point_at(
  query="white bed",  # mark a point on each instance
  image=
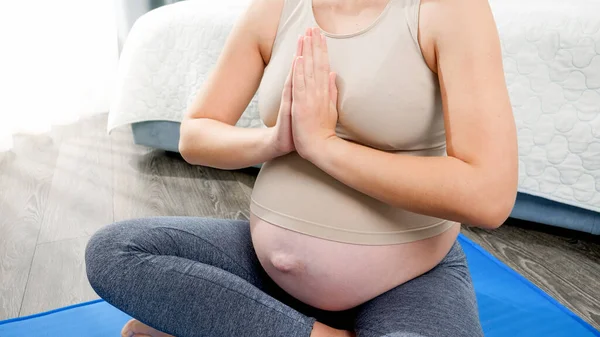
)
(551, 53)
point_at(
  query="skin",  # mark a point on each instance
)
(480, 130)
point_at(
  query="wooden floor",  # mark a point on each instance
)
(57, 189)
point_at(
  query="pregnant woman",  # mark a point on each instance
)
(388, 125)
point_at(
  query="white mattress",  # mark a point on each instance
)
(168, 54)
(551, 51)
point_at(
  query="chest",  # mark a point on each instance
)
(341, 17)
(388, 97)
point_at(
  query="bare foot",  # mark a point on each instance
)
(322, 330)
(135, 328)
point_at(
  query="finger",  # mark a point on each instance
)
(299, 86)
(286, 94)
(316, 33)
(333, 92)
(298, 53)
(320, 71)
(299, 45)
(325, 52)
(308, 32)
(307, 60)
(324, 43)
(287, 89)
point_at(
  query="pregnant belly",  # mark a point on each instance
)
(338, 276)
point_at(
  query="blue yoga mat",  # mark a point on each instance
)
(509, 306)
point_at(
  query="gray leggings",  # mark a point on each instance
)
(201, 277)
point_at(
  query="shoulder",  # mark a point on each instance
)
(262, 20)
(453, 24)
(451, 20)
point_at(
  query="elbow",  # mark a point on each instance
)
(184, 151)
(495, 215)
(183, 145)
(492, 212)
(494, 197)
(195, 146)
(186, 144)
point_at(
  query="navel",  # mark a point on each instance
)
(286, 263)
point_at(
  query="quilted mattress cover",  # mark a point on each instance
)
(551, 51)
(168, 54)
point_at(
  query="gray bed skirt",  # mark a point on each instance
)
(163, 135)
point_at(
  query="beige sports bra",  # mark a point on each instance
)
(388, 100)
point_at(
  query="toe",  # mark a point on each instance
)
(127, 330)
(135, 328)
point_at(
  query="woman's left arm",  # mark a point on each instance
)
(477, 182)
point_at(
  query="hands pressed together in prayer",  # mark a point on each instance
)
(307, 114)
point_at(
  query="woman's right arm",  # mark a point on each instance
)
(209, 136)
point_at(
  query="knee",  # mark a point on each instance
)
(103, 254)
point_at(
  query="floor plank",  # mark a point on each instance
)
(25, 178)
(80, 200)
(246, 178)
(57, 277)
(155, 183)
